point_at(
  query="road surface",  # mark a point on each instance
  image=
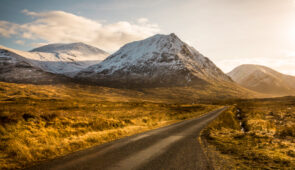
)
(172, 147)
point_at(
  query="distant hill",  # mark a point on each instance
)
(17, 69)
(65, 59)
(263, 79)
(68, 58)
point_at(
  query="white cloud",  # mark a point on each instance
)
(60, 26)
(7, 29)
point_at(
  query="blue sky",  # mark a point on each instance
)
(229, 32)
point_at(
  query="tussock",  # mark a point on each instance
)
(268, 141)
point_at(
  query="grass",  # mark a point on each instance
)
(267, 140)
(40, 122)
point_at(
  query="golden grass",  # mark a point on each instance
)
(268, 141)
(42, 122)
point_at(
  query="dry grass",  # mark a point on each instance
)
(43, 122)
(268, 141)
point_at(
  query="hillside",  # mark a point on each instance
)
(253, 134)
(264, 80)
(65, 59)
(41, 122)
(17, 69)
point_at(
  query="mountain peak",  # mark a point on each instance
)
(252, 66)
(173, 35)
(263, 79)
(66, 59)
(63, 47)
(167, 36)
(248, 69)
(160, 59)
(158, 43)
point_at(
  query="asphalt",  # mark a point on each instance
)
(172, 147)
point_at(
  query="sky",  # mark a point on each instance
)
(229, 32)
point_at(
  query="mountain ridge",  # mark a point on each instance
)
(64, 47)
(159, 60)
(16, 69)
(61, 60)
(161, 65)
(263, 79)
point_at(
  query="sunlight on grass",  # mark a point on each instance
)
(268, 140)
(43, 122)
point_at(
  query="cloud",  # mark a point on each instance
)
(60, 26)
(7, 29)
(25, 11)
(142, 20)
(20, 42)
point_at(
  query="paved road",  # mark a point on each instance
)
(172, 147)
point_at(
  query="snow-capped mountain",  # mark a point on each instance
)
(263, 79)
(74, 52)
(17, 69)
(66, 59)
(158, 60)
(70, 48)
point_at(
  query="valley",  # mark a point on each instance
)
(147, 85)
(41, 122)
(62, 98)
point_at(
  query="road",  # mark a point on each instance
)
(172, 147)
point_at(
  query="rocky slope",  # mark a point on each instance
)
(161, 60)
(263, 79)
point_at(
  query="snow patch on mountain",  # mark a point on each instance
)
(74, 51)
(17, 69)
(65, 59)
